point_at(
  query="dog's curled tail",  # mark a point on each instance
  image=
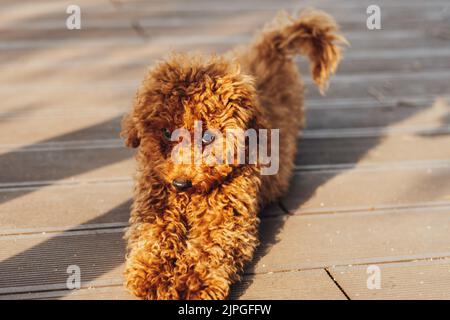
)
(313, 34)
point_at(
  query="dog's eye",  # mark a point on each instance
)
(208, 138)
(166, 134)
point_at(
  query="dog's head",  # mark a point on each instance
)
(183, 111)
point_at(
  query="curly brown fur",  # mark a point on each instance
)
(194, 244)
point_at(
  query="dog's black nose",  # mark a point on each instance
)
(182, 184)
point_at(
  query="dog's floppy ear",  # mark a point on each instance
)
(129, 131)
(131, 122)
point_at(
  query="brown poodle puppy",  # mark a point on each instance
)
(193, 227)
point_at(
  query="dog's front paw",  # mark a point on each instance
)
(197, 287)
(210, 293)
(149, 280)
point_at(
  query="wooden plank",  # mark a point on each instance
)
(75, 207)
(365, 188)
(406, 114)
(413, 38)
(103, 161)
(81, 151)
(119, 63)
(26, 10)
(81, 206)
(62, 34)
(42, 125)
(124, 14)
(91, 127)
(32, 22)
(101, 6)
(58, 165)
(200, 6)
(293, 285)
(74, 74)
(308, 284)
(126, 75)
(20, 116)
(318, 190)
(172, 20)
(372, 150)
(102, 293)
(381, 86)
(413, 280)
(88, 98)
(378, 86)
(14, 13)
(47, 122)
(432, 16)
(121, 29)
(314, 241)
(175, 22)
(372, 102)
(385, 60)
(94, 293)
(115, 71)
(39, 262)
(44, 128)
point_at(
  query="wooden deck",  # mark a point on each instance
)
(372, 183)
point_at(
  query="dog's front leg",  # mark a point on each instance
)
(216, 252)
(153, 248)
